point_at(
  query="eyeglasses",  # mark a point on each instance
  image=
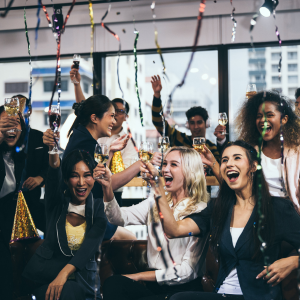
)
(120, 111)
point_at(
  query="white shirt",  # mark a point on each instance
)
(272, 171)
(185, 251)
(128, 153)
(9, 184)
(231, 284)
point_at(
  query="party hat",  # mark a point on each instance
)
(24, 227)
(116, 164)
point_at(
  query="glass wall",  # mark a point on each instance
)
(16, 81)
(200, 88)
(260, 66)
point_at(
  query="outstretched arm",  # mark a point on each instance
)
(74, 74)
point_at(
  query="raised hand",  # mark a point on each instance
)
(74, 74)
(156, 159)
(48, 138)
(219, 132)
(102, 175)
(119, 144)
(156, 86)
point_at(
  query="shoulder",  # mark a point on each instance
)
(282, 205)
(211, 145)
(292, 152)
(35, 132)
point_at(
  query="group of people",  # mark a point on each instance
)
(82, 204)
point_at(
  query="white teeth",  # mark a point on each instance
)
(232, 172)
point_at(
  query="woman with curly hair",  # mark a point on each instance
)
(186, 187)
(283, 177)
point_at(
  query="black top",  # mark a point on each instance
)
(83, 140)
(286, 228)
(54, 254)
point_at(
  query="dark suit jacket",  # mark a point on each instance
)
(286, 228)
(54, 254)
(83, 140)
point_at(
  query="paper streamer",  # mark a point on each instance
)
(68, 16)
(38, 22)
(119, 52)
(136, 72)
(234, 23)
(131, 138)
(156, 39)
(92, 26)
(3, 15)
(200, 17)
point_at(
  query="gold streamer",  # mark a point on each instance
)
(92, 26)
(24, 227)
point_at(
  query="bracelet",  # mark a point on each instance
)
(214, 164)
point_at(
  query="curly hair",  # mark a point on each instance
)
(194, 181)
(197, 111)
(245, 122)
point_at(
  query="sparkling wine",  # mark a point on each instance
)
(145, 156)
(11, 110)
(76, 64)
(54, 121)
(164, 145)
(101, 158)
(198, 147)
(223, 122)
(250, 94)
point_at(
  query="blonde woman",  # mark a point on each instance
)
(186, 187)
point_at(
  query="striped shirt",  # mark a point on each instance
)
(176, 137)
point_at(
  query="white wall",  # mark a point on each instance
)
(216, 28)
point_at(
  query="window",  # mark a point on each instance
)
(274, 68)
(275, 56)
(292, 91)
(257, 66)
(49, 83)
(16, 87)
(140, 68)
(293, 79)
(86, 87)
(108, 65)
(276, 79)
(128, 59)
(292, 67)
(128, 84)
(292, 55)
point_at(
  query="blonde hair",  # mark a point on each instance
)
(194, 181)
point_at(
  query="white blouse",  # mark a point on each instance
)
(185, 251)
(9, 184)
(231, 284)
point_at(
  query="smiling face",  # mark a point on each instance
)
(120, 115)
(11, 138)
(235, 168)
(273, 121)
(80, 183)
(172, 172)
(104, 126)
(197, 126)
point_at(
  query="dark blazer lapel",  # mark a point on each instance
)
(247, 232)
(61, 231)
(226, 238)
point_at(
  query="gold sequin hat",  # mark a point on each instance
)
(24, 227)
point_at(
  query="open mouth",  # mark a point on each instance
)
(80, 192)
(233, 175)
(267, 130)
(168, 180)
(10, 138)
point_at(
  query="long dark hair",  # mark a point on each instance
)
(226, 198)
(5, 148)
(73, 158)
(245, 122)
(97, 104)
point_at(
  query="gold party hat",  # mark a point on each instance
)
(24, 227)
(116, 164)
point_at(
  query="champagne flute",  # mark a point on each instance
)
(163, 144)
(198, 144)
(101, 155)
(54, 122)
(251, 90)
(76, 62)
(145, 155)
(223, 120)
(12, 106)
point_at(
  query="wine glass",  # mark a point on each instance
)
(223, 120)
(101, 155)
(198, 144)
(54, 121)
(12, 106)
(163, 143)
(76, 62)
(145, 155)
(251, 90)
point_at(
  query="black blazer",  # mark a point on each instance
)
(83, 140)
(286, 228)
(54, 254)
